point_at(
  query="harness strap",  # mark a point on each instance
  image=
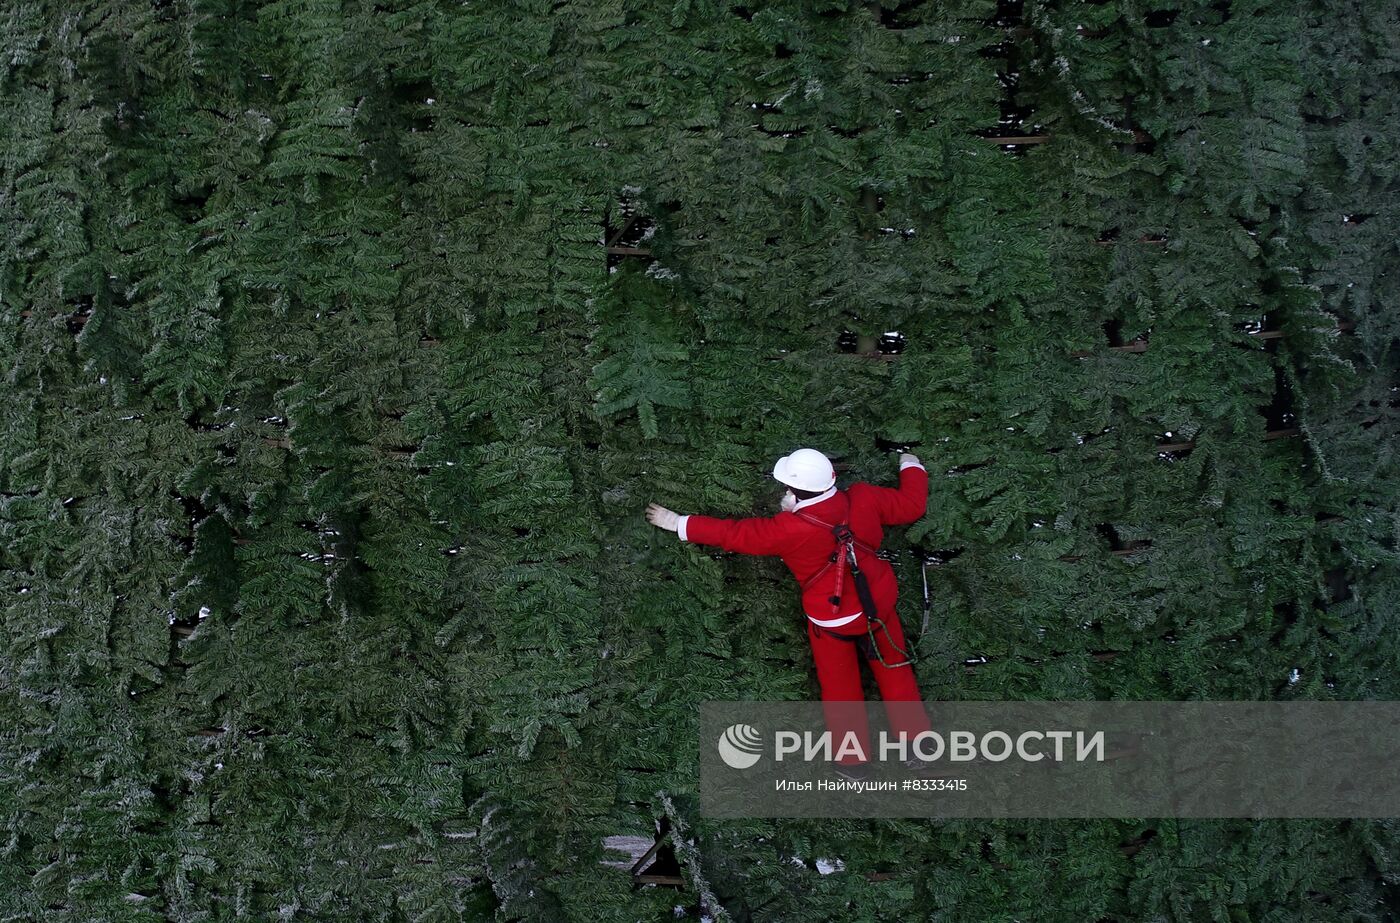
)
(845, 539)
(832, 527)
(865, 641)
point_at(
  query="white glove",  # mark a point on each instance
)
(788, 502)
(911, 459)
(662, 518)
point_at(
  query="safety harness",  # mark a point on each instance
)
(843, 555)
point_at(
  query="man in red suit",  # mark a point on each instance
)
(838, 626)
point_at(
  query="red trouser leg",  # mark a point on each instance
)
(843, 702)
(898, 686)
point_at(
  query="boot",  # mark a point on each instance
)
(855, 772)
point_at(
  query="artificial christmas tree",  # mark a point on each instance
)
(344, 344)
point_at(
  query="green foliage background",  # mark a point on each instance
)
(328, 424)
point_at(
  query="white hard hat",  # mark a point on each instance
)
(805, 469)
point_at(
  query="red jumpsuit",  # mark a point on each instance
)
(806, 548)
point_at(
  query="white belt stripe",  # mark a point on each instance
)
(836, 623)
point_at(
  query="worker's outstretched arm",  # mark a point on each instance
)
(756, 535)
(906, 503)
